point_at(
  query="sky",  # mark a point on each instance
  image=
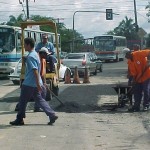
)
(89, 24)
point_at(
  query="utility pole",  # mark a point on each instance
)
(135, 13)
(23, 9)
(27, 5)
(58, 20)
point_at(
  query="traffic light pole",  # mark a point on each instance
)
(73, 39)
(27, 5)
(135, 13)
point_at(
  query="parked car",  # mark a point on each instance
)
(81, 60)
(97, 61)
(15, 76)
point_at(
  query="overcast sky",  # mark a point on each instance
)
(89, 24)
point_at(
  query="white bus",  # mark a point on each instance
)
(10, 45)
(109, 47)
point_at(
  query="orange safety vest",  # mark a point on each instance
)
(43, 67)
(138, 67)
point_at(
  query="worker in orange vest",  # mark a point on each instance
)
(140, 72)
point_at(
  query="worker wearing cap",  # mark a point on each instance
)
(140, 72)
(44, 55)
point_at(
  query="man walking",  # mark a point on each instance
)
(32, 86)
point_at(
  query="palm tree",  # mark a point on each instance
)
(15, 21)
(148, 8)
(126, 28)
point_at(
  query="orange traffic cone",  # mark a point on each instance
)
(67, 77)
(86, 76)
(76, 76)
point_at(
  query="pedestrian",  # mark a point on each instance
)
(140, 72)
(32, 86)
(45, 43)
(43, 77)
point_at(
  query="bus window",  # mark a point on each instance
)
(9, 43)
(38, 38)
(53, 38)
(34, 37)
(29, 34)
(25, 34)
(18, 42)
(50, 38)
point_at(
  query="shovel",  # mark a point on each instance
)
(55, 96)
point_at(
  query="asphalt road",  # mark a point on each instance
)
(83, 123)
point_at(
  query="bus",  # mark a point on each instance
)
(10, 45)
(109, 47)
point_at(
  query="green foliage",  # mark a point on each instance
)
(66, 34)
(125, 28)
(13, 21)
(41, 18)
(148, 41)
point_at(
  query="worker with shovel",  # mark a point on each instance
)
(140, 71)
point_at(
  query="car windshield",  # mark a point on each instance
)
(75, 56)
(105, 45)
(7, 40)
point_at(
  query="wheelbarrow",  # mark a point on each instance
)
(124, 93)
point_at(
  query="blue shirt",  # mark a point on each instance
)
(48, 45)
(32, 62)
(49, 57)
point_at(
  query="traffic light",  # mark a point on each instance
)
(109, 14)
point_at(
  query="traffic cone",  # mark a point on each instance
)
(86, 76)
(76, 76)
(67, 77)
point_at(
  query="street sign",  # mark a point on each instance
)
(109, 14)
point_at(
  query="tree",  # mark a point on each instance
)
(148, 8)
(65, 34)
(125, 28)
(15, 21)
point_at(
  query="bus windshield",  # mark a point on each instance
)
(105, 45)
(7, 40)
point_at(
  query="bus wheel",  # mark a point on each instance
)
(95, 72)
(121, 59)
(107, 61)
(101, 68)
(15, 82)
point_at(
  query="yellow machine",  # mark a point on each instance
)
(52, 78)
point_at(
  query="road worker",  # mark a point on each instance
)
(140, 72)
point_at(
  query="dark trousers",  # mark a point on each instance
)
(140, 90)
(27, 93)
